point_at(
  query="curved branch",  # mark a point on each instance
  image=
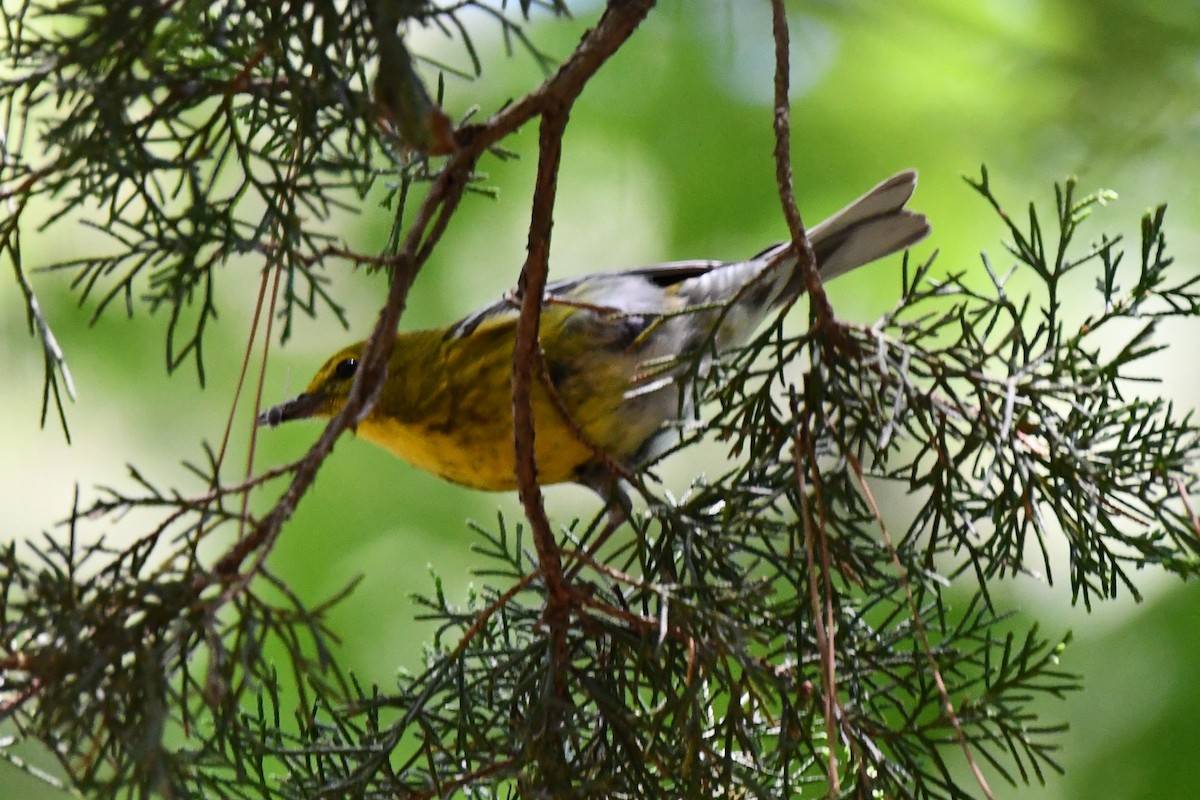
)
(616, 24)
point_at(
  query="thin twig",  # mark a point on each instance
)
(450, 787)
(806, 258)
(531, 288)
(556, 101)
(821, 607)
(614, 27)
(822, 313)
(52, 353)
(483, 616)
(242, 372)
(919, 626)
(654, 626)
(1187, 505)
(276, 268)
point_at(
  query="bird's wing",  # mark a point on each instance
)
(869, 228)
(641, 290)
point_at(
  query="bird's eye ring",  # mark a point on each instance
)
(345, 369)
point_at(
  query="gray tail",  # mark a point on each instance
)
(873, 226)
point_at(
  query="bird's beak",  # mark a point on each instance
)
(300, 407)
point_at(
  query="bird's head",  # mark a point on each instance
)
(326, 393)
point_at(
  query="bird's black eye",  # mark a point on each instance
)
(344, 371)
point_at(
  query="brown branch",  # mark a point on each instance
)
(262, 369)
(1187, 505)
(450, 787)
(446, 190)
(12, 704)
(617, 23)
(255, 319)
(660, 626)
(483, 616)
(553, 101)
(802, 454)
(806, 259)
(821, 313)
(919, 626)
(277, 269)
(531, 287)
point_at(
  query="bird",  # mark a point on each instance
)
(620, 350)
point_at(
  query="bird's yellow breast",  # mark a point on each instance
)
(482, 455)
(447, 405)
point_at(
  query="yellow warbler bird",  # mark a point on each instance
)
(618, 349)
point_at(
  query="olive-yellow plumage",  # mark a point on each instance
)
(618, 350)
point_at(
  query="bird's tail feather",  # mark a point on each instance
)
(873, 226)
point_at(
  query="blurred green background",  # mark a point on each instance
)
(669, 156)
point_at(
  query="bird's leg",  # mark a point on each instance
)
(620, 509)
